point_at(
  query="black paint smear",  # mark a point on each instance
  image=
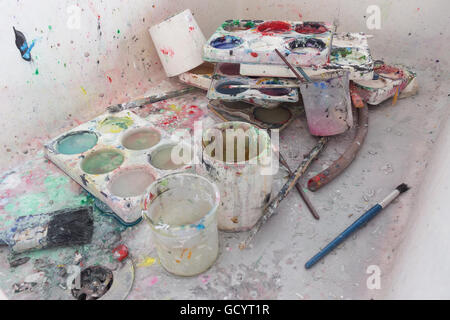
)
(22, 45)
(307, 43)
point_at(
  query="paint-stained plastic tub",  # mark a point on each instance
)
(181, 209)
(327, 103)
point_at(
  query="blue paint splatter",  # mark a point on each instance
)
(22, 45)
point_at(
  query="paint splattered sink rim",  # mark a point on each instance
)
(235, 125)
(184, 230)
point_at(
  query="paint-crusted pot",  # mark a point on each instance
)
(245, 184)
(181, 209)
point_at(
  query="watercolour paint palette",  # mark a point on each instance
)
(349, 51)
(304, 44)
(390, 80)
(116, 157)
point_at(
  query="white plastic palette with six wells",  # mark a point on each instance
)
(115, 157)
(304, 44)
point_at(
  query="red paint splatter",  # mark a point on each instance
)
(168, 52)
(109, 79)
(191, 28)
(254, 54)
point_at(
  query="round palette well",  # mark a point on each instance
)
(141, 139)
(226, 42)
(102, 161)
(306, 43)
(131, 182)
(224, 89)
(76, 142)
(277, 116)
(274, 26)
(230, 69)
(276, 92)
(162, 159)
(310, 28)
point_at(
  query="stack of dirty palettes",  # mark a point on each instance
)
(247, 79)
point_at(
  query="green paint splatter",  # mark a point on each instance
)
(36, 72)
(118, 31)
(249, 24)
(50, 28)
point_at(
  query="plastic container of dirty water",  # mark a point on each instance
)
(238, 157)
(327, 103)
(181, 209)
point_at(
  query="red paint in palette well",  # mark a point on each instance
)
(254, 54)
(274, 26)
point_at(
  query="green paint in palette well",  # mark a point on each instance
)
(77, 142)
(102, 161)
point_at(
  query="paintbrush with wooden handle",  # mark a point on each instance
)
(60, 228)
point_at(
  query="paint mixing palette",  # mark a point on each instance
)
(275, 118)
(349, 51)
(304, 44)
(116, 157)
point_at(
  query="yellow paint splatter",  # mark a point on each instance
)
(174, 107)
(148, 261)
(84, 91)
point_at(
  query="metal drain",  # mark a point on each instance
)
(95, 282)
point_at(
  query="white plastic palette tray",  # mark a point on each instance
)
(349, 51)
(114, 157)
(304, 44)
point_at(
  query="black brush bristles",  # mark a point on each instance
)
(70, 227)
(402, 188)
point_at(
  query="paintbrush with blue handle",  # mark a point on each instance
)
(41, 231)
(366, 217)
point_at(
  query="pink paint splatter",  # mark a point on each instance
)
(204, 279)
(153, 280)
(191, 28)
(168, 52)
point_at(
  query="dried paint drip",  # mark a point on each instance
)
(310, 28)
(141, 139)
(163, 158)
(223, 87)
(226, 42)
(306, 43)
(230, 69)
(274, 26)
(230, 149)
(114, 124)
(76, 142)
(184, 222)
(102, 161)
(277, 116)
(131, 182)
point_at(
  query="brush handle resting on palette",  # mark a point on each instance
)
(344, 235)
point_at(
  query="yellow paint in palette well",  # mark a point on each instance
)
(114, 124)
(147, 262)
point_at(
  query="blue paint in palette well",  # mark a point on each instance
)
(226, 42)
(76, 142)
